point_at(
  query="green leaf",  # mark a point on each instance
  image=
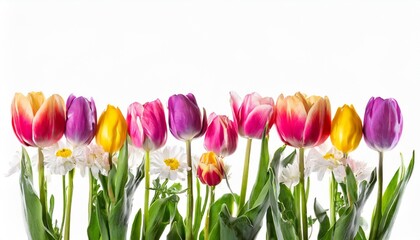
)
(227, 200)
(275, 162)
(161, 213)
(31, 203)
(136, 226)
(351, 185)
(177, 231)
(93, 229)
(289, 159)
(102, 214)
(121, 175)
(393, 203)
(118, 218)
(324, 221)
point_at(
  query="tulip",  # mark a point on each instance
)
(221, 136)
(187, 123)
(383, 124)
(303, 121)
(185, 119)
(81, 120)
(210, 169)
(346, 129)
(38, 122)
(112, 130)
(382, 128)
(147, 125)
(252, 114)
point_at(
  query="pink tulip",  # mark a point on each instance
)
(36, 121)
(303, 121)
(147, 125)
(252, 114)
(221, 136)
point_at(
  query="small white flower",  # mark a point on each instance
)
(325, 157)
(170, 163)
(135, 157)
(290, 174)
(360, 169)
(96, 159)
(61, 157)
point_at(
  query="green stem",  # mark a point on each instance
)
(296, 196)
(207, 230)
(146, 192)
(68, 205)
(110, 191)
(245, 174)
(42, 187)
(333, 192)
(190, 199)
(378, 208)
(304, 218)
(90, 203)
(64, 204)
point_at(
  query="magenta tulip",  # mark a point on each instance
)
(221, 136)
(147, 125)
(303, 121)
(383, 124)
(185, 119)
(81, 120)
(252, 114)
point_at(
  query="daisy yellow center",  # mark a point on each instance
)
(329, 156)
(64, 153)
(172, 163)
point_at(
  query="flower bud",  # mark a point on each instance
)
(210, 169)
(346, 129)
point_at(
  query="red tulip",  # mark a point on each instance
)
(36, 121)
(303, 121)
(210, 169)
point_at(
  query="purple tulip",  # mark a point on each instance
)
(80, 120)
(221, 135)
(383, 124)
(185, 119)
(147, 125)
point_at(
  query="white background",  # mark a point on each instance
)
(120, 52)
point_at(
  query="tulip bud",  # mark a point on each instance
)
(185, 119)
(80, 120)
(147, 125)
(112, 130)
(210, 169)
(346, 129)
(221, 136)
(36, 121)
(383, 124)
(252, 114)
(303, 121)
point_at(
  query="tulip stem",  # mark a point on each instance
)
(146, 193)
(90, 203)
(245, 174)
(333, 191)
(64, 205)
(190, 200)
(42, 187)
(378, 208)
(304, 218)
(208, 218)
(68, 205)
(110, 191)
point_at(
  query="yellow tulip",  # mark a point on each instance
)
(112, 129)
(346, 129)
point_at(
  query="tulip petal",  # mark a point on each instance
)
(318, 123)
(22, 117)
(256, 121)
(49, 122)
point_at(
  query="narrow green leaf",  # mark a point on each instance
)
(289, 159)
(102, 215)
(161, 213)
(121, 175)
(324, 221)
(93, 229)
(177, 231)
(136, 226)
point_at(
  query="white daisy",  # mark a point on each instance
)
(96, 159)
(61, 157)
(169, 162)
(326, 157)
